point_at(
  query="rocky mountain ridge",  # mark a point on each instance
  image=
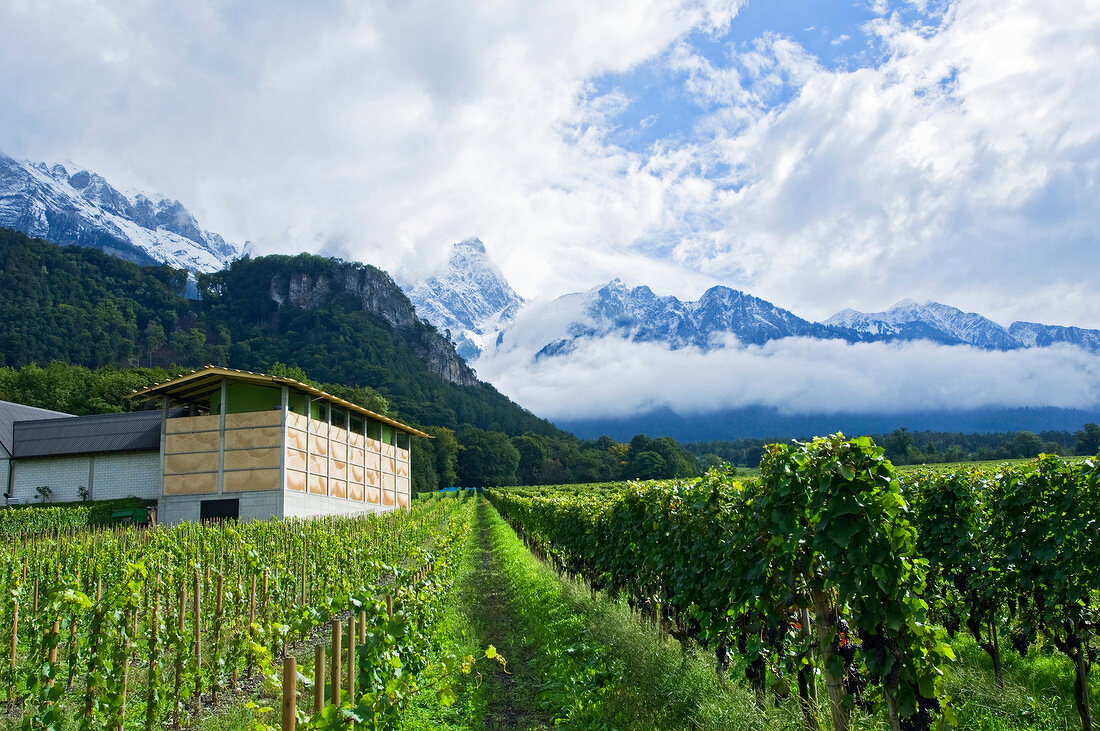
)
(73, 205)
(468, 299)
(473, 299)
(372, 290)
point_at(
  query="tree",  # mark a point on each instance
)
(486, 458)
(649, 466)
(1088, 440)
(532, 453)
(154, 339)
(445, 448)
(897, 445)
(1028, 444)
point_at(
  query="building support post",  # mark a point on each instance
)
(285, 419)
(221, 435)
(163, 445)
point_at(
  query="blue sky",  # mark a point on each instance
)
(663, 110)
(820, 155)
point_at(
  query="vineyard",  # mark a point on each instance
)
(140, 628)
(830, 584)
(831, 573)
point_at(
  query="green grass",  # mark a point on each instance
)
(1038, 692)
(585, 662)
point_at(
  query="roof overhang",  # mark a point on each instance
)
(191, 388)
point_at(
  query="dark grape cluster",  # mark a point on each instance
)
(1021, 640)
(952, 622)
(922, 720)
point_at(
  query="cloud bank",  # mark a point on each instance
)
(954, 156)
(612, 377)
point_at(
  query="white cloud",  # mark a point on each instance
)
(612, 377)
(962, 168)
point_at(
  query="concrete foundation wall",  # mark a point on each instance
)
(304, 505)
(104, 476)
(254, 505)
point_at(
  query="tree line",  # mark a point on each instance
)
(928, 447)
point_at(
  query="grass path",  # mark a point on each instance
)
(574, 661)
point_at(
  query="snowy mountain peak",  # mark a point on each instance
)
(640, 315)
(469, 297)
(68, 204)
(910, 320)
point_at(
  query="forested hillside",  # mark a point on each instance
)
(341, 323)
(79, 330)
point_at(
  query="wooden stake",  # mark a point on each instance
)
(72, 651)
(198, 639)
(219, 605)
(55, 630)
(179, 655)
(318, 679)
(290, 693)
(337, 638)
(14, 644)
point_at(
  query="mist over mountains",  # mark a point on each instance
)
(622, 359)
(618, 359)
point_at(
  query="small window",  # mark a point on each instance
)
(357, 425)
(374, 430)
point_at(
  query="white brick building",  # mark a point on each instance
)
(224, 443)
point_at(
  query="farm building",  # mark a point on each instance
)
(224, 443)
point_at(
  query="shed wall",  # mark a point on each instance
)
(4, 457)
(106, 476)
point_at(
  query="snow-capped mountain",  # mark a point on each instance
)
(470, 298)
(639, 315)
(908, 320)
(1032, 334)
(77, 206)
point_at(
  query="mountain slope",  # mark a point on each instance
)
(639, 315)
(80, 207)
(469, 298)
(340, 322)
(908, 320)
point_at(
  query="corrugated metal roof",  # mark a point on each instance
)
(201, 383)
(11, 413)
(133, 432)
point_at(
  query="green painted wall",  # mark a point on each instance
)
(297, 402)
(245, 397)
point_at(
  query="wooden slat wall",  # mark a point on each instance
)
(344, 464)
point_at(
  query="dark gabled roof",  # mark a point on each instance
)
(133, 432)
(11, 413)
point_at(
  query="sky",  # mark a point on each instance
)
(818, 154)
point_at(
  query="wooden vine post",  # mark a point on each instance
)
(198, 640)
(55, 630)
(290, 693)
(14, 646)
(337, 637)
(318, 679)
